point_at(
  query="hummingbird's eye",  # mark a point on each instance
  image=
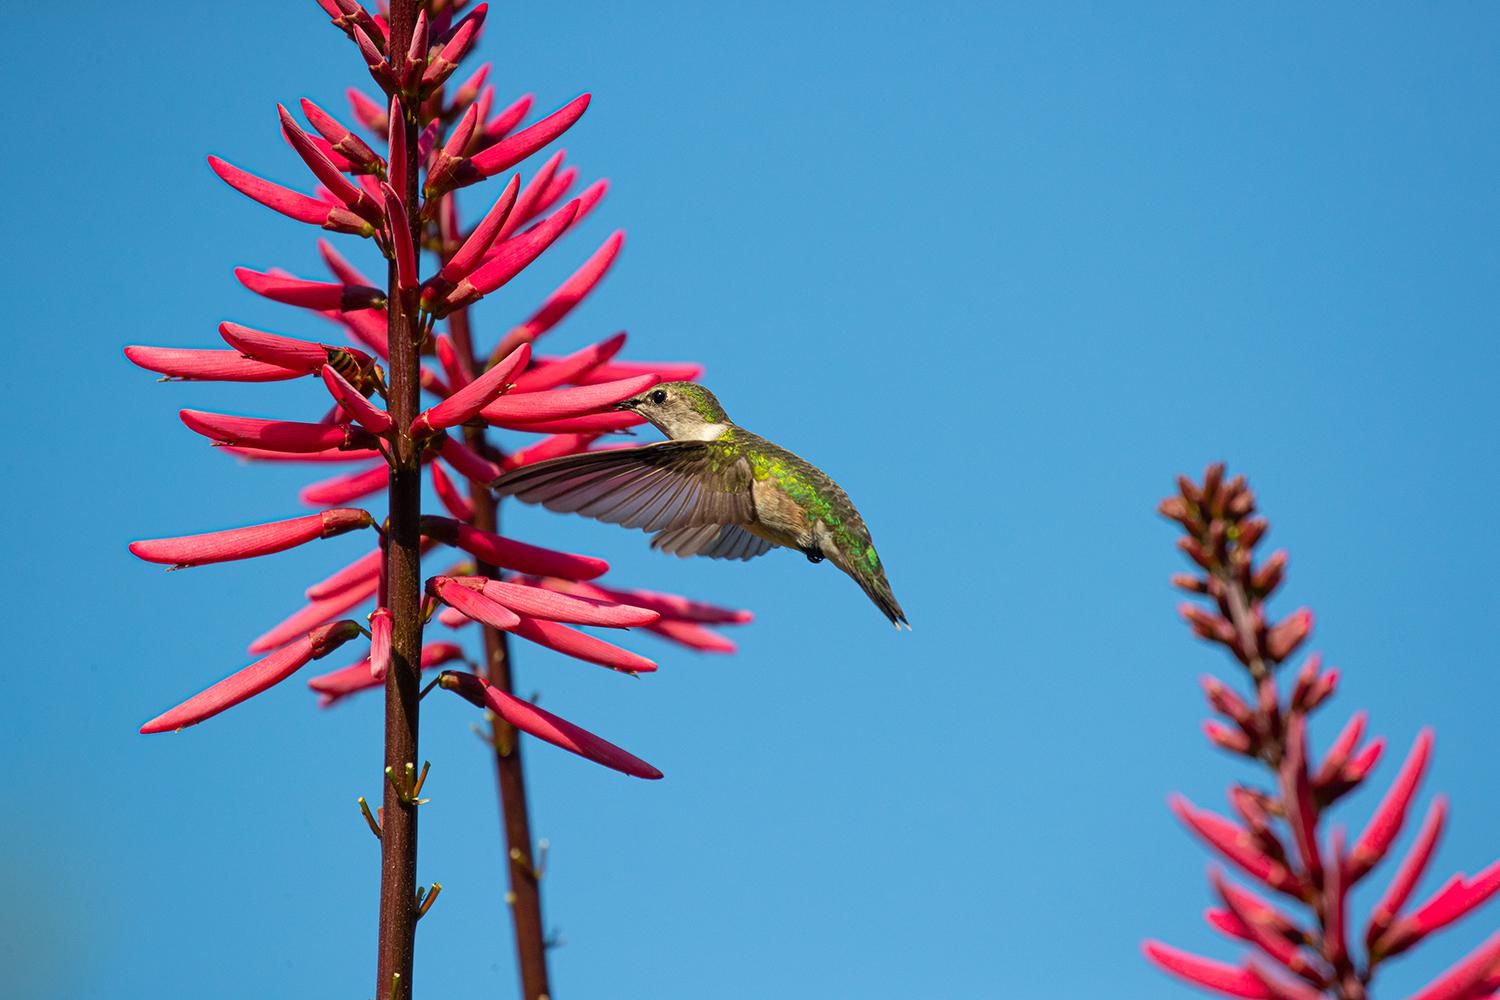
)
(659, 396)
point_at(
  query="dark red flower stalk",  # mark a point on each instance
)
(1302, 947)
(395, 418)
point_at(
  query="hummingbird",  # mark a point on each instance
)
(713, 489)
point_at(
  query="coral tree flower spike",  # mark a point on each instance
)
(248, 543)
(466, 403)
(544, 725)
(254, 679)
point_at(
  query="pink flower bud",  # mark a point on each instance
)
(667, 371)
(186, 364)
(1363, 762)
(344, 142)
(380, 643)
(416, 52)
(1218, 976)
(464, 595)
(553, 404)
(453, 619)
(467, 403)
(319, 295)
(1233, 740)
(292, 204)
(692, 635)
(580, 646)
(398, 226)
(457, 504)
(509, 259)
(528, 202)
(502, 124)
(446, 61)
(328, 174)
(469, 89)
(571, 292)
(248, 543)
(471, 253)
(545, 726)
(463, 133)
(273, 435)
(348, 487)
(455, 367)
(339, 266)
(1286, 635)
(1389, 816)
(537, 602)
(508, 152)
(467, 464)
(254, 679)
(510, 554)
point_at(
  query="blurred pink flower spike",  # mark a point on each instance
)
(561, 371)
(350, 194)
(191, 365)
(339, 684)
(255, 678)
(250, 542)
(362, 159)
(1458, 897)
(374, 419)
(571, 292)
(471, 253)
(464, 594)
(555, 404)
(348, 487)
(1230, 980)
(466, 403)
(1470, 978)
(508, 152)
(320, 295)
(1235, 845)
(1390, 815)
(544, 725)
(380, 643)
(1408, 874)
(400, 231)
(274, 435)
(456, 503)
(581, 646)
(508, 260)
(511, 554)
(442, 65)
(536, 602)
(305, 356)
(292, 204)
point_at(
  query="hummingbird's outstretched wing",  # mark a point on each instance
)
(727, 541)
(662, 486)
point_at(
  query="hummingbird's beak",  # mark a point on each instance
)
(628, 404)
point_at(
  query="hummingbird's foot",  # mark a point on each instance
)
(814, 555)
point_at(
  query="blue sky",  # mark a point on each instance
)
(1003, 270)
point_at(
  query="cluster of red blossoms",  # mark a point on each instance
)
(569, 400)
(1275, 839)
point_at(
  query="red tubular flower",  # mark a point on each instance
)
(669, 606)
(247, 543)
(467, 403)
(374, 419)
(313, 613)
(580, 646)
(472, 251)
(692, 635)
(536, 602)
(588, 423)
(361, 570)
(292, 204)
(328, 174)
(467, 464)
(303, 356)
(181, 364)
(544, 725)
(1465, 979)
(553, 446)
(465, 595)
(529, 201)
(318, 295)
(1232, 842)
(273, 435)
(356, 151)
(457, 504)
(455, 369)
(508, 152)
(572, 291)
(254, 679)
(554, 404)
(1407, 875)
(1230, 980)
(667, 371)
(508, 260)
(570, 368)
(346, 488)
(1457, 898)
(511, 554)
(502, 124)
(1391, 813)
(380, 643)
(395, 224)
(450, 55)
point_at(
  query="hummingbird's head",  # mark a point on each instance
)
(681, 410)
